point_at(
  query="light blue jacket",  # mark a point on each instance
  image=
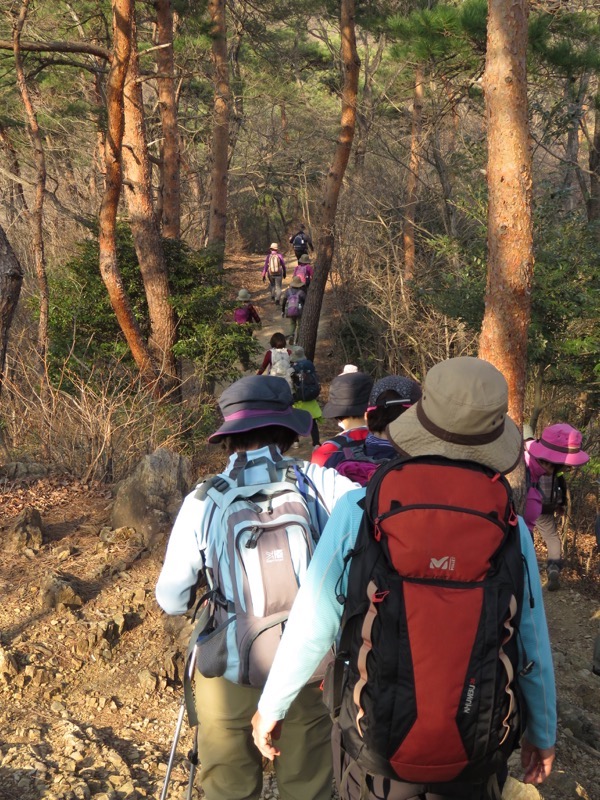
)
(315, 619)
(196, 537)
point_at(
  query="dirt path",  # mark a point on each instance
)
(88, 693)
(246, 273)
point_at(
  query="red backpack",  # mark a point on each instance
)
(424, 686)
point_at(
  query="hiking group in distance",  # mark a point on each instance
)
(374, 615)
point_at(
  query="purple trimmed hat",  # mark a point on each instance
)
(256, 402)
(560, 444)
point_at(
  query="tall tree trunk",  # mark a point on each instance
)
(217, 220)
(170, 161)
(11, 278)
(412, 182)
(144, 226)
(18, 201)
(575, 98)
(326, 239)
(503, 338)
(37, 213)
(365, 112)
(593, 204)
(109, 269)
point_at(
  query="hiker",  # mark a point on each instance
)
(274, 270)
(279, 511)
(390, 397)
(348, 401)
(246, 313)
(301, 241)
(292, 304)
(434, 680)
(304, 271)
(305, 390)
(277, 361)
(547, 459)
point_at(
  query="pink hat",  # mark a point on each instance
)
(560, 444)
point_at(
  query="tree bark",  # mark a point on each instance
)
(170, 161)
(11, 279)
(109, 270)
(18, 201)
(37, 213)
(217, 220)
(144, 225)
(503, 339)
(593, 204)
(412, 182)
(326, 238)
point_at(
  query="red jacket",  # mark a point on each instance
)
(327, 449)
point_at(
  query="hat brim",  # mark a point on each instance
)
(295, 419)
(538, 450)
(409, 436)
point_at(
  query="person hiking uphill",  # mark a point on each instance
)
(460, 429)
(348, 401)
(274, 270)
(305, 390)
(246, 313)
(277, 360)
(391, 396)
(285, 498)
(304, 271)
(546, 459)
(301, 241)
(292, 305)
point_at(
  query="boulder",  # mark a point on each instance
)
(515, 790)
(22, 469)
(151, 497)
(58, 592)
(24, 532)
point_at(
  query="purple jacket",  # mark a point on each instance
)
(266, 266)
(533, 501)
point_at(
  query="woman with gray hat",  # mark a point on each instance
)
(462, 416)
(259, 427)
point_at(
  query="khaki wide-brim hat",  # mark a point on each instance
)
(462, 415)
(273, 246)
(297, 283)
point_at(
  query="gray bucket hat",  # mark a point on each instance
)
(348, 395)
(462, 415)
(244, 294)
(256, 402)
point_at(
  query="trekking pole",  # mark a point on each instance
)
(190, 672)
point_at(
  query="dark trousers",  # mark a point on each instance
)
(314, 433)
(353, 784)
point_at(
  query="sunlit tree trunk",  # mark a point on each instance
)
(37, 212)
(144, 226)
(593, 204)
(109, 269)
(503, 338)
(170, 161)
(412, 182)
(11, 278)
(326, 237)
(217, 221)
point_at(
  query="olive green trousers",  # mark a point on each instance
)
(231, 765)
